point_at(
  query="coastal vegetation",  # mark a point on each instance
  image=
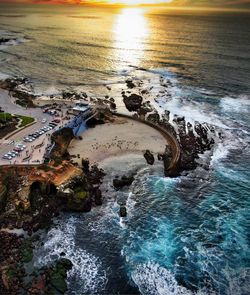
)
(25, 120)
(10, 122)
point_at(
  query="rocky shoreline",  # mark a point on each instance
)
(31, 196)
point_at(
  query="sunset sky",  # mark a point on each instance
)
(245, 4)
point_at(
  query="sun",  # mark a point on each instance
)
(138, 2)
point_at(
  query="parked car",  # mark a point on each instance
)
(53, 125)
(7, 157)
(18, 149)
(15, 153)
(29, 139)
(35, 135)
(21, 145)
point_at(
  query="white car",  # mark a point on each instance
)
(21, 145)
(10, 154)
(44, 120)
(28, 139)
(7, 157)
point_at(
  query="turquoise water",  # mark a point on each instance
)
(188, 235)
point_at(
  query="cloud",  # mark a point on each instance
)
(186, 3)
(213, 3)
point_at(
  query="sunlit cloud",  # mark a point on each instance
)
(173, 3)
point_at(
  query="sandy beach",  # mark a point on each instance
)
(124, 136)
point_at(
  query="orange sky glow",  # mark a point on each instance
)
(227, 4)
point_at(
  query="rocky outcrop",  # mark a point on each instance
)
(82, 192)
(123, 181)
(97, 193)
(153, 117)
(75, 195)
(79, 202)
(62, 139)
(133, 102)
(196, 140)
(130, 83)
(18, 88)
(149, 157)
(57, 276)
(123, 211)
(72, 95)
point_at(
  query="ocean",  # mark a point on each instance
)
(188, 235)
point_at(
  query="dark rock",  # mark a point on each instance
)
(132, 102)
(98, 197)
(149, 157)
(112, 105)
(123, 211)
(154, 118)
(124, 181)
(144, 91)
(85, 165)
(79, 202)
(130, 83)
(58, 275)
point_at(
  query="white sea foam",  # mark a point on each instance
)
(87, 275)
(239, 104)
(152, 279)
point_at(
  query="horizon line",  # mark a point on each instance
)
(121, 5)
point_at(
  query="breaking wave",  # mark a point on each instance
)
(86, 275)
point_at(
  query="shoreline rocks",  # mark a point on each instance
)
(123, 211)
(123, 181)
(149, 157)
(133, 102)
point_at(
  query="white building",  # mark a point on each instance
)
(83, 108)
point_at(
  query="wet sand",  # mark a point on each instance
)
(124, 136)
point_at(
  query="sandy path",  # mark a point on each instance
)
(112, 139)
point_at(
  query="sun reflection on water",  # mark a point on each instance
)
(130, 33)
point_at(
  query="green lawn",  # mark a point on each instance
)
(25, 120)
(5, 116)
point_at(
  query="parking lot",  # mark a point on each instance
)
(31, 148)
(29, 145)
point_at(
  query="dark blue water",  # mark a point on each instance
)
(188, 235)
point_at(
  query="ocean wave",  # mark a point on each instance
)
(87, 275)
(240, 104)
(152, 279)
